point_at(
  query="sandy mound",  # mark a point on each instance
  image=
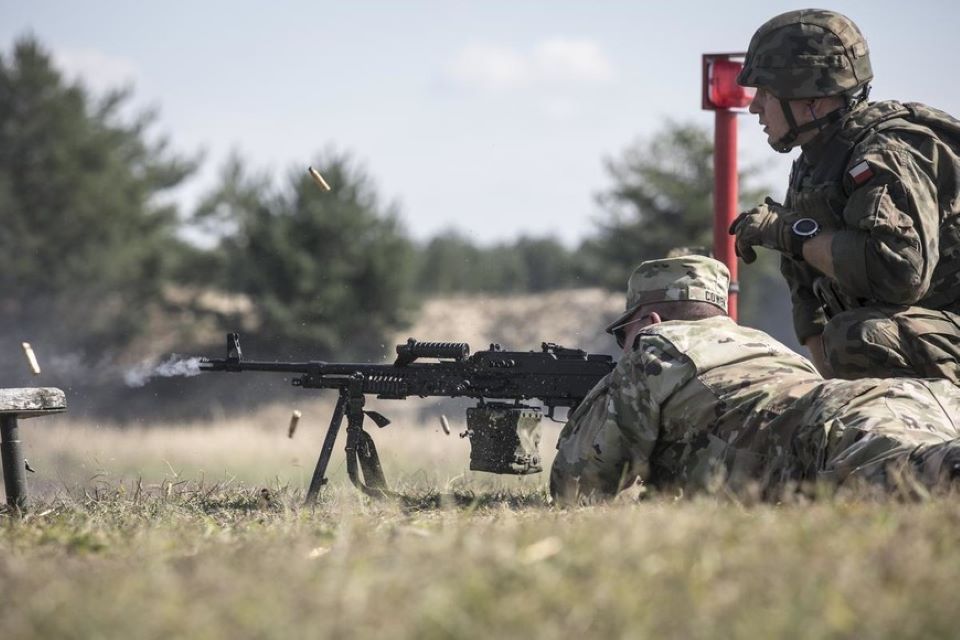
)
(572, 318)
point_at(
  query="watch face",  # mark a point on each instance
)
(806, 227)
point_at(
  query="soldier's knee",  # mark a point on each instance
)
(862, 343)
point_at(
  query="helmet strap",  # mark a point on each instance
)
(813, 116)
(786, 142)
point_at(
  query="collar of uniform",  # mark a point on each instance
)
(672, 325)
(846, 132)
(814, 150)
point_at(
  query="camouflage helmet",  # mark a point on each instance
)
(809, 53)
(695, 278)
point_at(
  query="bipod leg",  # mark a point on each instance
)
(370, 461)
(361, 449)
(319, 479)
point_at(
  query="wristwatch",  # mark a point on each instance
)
(803, 229)
(806, 228)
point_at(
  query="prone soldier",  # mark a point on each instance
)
(696, 398)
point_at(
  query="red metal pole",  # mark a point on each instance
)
(725, 195)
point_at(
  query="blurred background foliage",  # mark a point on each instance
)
(313, 262)
(96, 265)
(87, 235)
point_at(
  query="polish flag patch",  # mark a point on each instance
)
(861, 173)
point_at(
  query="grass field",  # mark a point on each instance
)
(167, 532)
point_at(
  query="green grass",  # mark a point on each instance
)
(462, 556)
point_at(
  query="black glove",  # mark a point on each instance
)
(768, 225)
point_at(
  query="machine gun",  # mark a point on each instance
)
(504, 434)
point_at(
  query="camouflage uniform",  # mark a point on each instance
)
(896, 252)
(698, 400)
(885, 177)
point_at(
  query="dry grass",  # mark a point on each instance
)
(255, 450)
(462, 556)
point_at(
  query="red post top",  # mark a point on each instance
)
(720, 89)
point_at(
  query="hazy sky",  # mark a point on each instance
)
(491, 117)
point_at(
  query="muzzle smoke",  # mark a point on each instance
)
(174, 366)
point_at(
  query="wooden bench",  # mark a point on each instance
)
(15, 404)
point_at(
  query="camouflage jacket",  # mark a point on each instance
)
(689, 391)
(890, 187)
(708, 399)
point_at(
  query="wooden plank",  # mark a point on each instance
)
(32, 401)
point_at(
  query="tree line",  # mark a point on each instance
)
(92, 247)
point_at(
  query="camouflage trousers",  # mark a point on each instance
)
(893, 341)
(886, 432)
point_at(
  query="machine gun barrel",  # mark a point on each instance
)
(235, 362)
(210, 364)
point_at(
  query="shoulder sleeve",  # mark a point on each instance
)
(607, 443)
(890, 244)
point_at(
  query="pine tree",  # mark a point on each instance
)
(330, 273)
(85, 236)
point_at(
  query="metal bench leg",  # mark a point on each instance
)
(11, 456)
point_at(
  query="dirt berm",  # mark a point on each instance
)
(571, 318)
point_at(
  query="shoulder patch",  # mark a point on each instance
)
(860, 173)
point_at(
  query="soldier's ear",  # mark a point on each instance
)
(654, 317)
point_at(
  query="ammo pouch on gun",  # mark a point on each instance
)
(504, 438)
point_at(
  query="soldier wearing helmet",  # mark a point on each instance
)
(869, 231)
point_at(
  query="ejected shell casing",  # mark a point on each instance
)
(31, 358)
(444, 424)
(294, 421)
(318, 178)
